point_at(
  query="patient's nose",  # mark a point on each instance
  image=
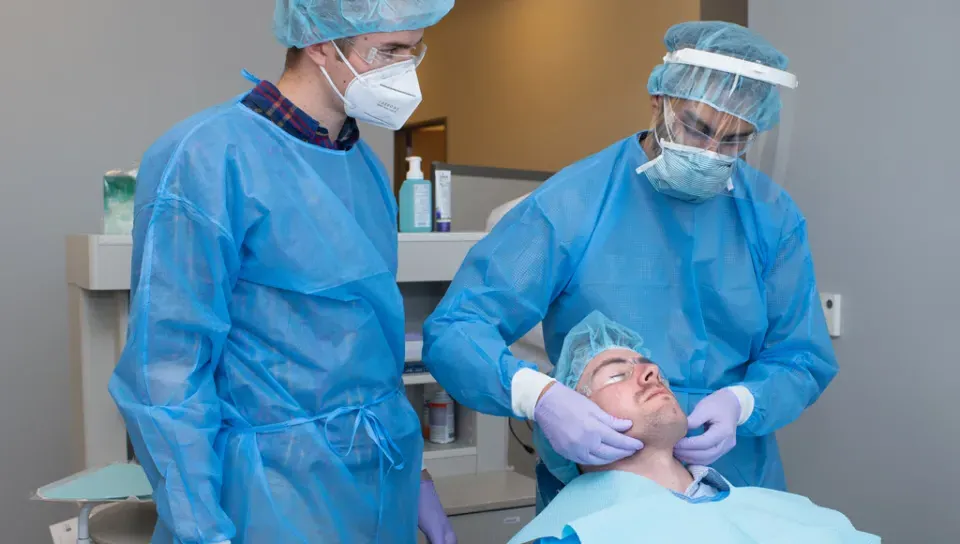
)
(648, 373)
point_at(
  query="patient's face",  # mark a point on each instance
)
(627, 386)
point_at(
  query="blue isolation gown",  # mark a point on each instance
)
(261, 380)
(722, 292)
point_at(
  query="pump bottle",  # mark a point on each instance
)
(416, 203)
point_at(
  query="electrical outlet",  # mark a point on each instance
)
(64, 532)
(830, 302)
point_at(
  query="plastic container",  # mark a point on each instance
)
(442, 180)
(119, 188)
(416, 203)
(442, 419)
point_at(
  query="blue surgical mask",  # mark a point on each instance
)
(689, 173)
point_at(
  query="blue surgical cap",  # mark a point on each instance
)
(299, 23)
(592, 336)
(754, 101)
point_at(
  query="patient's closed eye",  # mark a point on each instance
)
(616, 372)
(618, 377)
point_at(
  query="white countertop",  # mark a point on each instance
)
(485, 492)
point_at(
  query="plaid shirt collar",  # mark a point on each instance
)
(267, 100)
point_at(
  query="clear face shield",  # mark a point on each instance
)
(721, 122)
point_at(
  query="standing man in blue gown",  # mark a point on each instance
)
(261, 380)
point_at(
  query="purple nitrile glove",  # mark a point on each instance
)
(580, 431)
(431, 518)
(719, 413)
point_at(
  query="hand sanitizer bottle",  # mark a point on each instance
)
(416, 203)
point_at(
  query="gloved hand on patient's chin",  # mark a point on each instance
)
(431, 518)
(719, 412)
(580, 431)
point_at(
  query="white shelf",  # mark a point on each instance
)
(445, 451)
(446, 237)
(419, 378)
(101, 262)
(433, 256)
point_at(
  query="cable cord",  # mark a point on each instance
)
(526, 448)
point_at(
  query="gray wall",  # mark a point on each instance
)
(475, 195)
(873, 168)
(381, 140)
(87, 87)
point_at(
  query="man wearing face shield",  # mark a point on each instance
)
(261, 380)
(674, 233)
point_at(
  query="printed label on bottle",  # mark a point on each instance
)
(421, 206)
(442, 423)
(442, 186)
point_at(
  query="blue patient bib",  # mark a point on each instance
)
(622, 507)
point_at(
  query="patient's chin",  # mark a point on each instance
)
(665, 427)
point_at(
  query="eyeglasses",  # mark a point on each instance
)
(684, 133)
(387, 55)
(613, 372)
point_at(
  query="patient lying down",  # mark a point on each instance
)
(651, 497)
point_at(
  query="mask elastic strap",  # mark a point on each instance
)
(334, 87)
(345, 61)
(330, 79)
(650, 163)
(656, 137)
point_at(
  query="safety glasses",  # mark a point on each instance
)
(685, 126)
(613, 372)
(386, 55)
